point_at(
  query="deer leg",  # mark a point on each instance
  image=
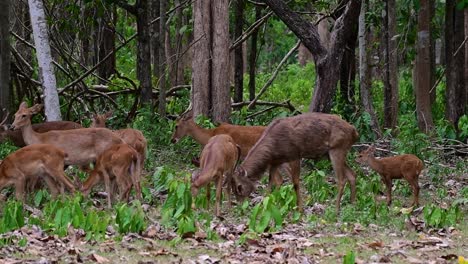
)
(351, 176)
(59, 176)
(19, 188)
(107, 183)
(338, 157)
(295, 172)
(228, 188)
(51, 184)
(275, 179)
(219, 188)
(208, 195)
(413, 181)
(388, 184)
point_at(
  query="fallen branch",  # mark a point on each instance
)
(286, 104)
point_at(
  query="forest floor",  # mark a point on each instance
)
(402, 239)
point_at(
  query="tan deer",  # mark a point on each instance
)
(245, 137)
(309, 135)
(131, 136)
(34, 163)
(118, 166)
(406, 166)
(17, 138)
(81, 145)
(217, 163)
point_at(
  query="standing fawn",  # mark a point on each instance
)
(309, 135)
(33, 163)
(245, 137)
(405, 166)
(217, 163)
(132, 137)
(118, 166)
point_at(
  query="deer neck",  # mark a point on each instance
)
(200, 134)
(375, 164)
(29, 136)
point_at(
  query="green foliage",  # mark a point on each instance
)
(463, 127)
(6, 148)
(438, 217)
(12, 217)
(130, 218)
(317, 186)
(349, 258)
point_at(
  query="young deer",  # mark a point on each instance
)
(405, 166)
(217, 163)
(81, 145)
(17, 138)
(31, 163)
(309, 135)
(245, 137)
(119, 165)
(133, 137)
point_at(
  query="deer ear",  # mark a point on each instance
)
(36, 108)
(108, 114)
(371, 148)
(23, 105)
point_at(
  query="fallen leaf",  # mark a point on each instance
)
(98, 259)
(376, 244)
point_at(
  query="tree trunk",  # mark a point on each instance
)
(179, 71)
(347, 69)
(201, 70)
(253, 57)
(238, 54)
(5, 96)
(220, 86)
(465, 95)
(44, 58)
(365, 77)
(162, 57)
(423, 61)
(106, 45)
(143, 50)
(390, 65)
(155, 38)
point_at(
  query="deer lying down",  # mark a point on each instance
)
(117, 166)
(17, 138)
(310, 135)
(405, 166)
(132, 137)
(217, 163)
(245, 137)
(33, 163)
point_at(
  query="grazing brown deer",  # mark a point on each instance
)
(81, 145)
(32, 163)
(309, 135)
(17, 138)
(406, 166)
(117, 166)
(131, 136)
(245, 137)
(217, 163)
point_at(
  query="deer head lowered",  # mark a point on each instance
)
(310, 135)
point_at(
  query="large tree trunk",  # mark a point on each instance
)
(238, 55)
(162, 57)
(348, 71)
(220, 86)
(144, 50)
(106, 45)
(253, 57)
(390, 65)
(44, 58)
(327, 61)
(365, 77)
(423, 62)
(201, 70)
(5, 96)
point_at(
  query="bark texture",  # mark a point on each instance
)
(253, 56)
(44, 58)
(5, 96)
(162, 57)
(238, 52)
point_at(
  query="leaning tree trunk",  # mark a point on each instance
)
(220, 86)
(365, 76)
(423, 62)
(327, 61)
(162, 57)
(5, 96)
(44, 58)
(238, 58)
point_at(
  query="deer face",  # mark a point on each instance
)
(363, 156)
(242, 186)
(100, 120)
(23, 115)
(181, 129)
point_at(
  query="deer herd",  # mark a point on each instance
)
(234, 157)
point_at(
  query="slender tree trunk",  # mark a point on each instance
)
(347, 71)
(460, 64)
(106, 43)
(365, 77)
(465, 96)
(179, 71)
(238, 58)
(253, 57)
(5, 95)
(423, 61)
(390, 65)
(144, 50)
(162, 57)
(201, 70)
(220, 87)
(433, 56)
(155, 38)
(44, 57)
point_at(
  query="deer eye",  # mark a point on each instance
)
(23, 116)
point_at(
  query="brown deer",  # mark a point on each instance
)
(117, 166)
(32, 163)
(81, 145)
(217, 163)
(406, 166)
(17, 138)
(309, 135)
(131, 136)
(245, 137)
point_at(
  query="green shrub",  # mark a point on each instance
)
(130, 218)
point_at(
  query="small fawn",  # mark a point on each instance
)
(405, 166)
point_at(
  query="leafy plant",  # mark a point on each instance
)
(130, 218)
(436, 216)
(13, 216)
(349, 258)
